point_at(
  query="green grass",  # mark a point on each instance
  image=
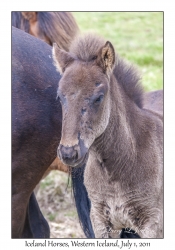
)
(136, 36)
(70, 214)
(47, 182)
(52, 217)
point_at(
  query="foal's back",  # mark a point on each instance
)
(154, 101)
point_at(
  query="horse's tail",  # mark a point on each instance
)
(82, 201)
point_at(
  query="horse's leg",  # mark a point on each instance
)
(19, 213)
(24, 180)
(36, 225)
(29, 224)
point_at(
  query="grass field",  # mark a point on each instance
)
(136, 36)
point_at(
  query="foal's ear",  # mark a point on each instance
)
(61, 58)
(106, 58)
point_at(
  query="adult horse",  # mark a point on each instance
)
(59, 27)
(55, 26)
(106, 125)
(36, 132)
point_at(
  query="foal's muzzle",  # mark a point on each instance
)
(73, 156)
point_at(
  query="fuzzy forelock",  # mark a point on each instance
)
(86, 48)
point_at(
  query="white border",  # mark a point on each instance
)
(5, 105)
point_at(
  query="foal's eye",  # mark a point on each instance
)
(98, 99)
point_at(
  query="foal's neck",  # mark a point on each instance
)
(116, 147)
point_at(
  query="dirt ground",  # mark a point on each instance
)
(57, 205)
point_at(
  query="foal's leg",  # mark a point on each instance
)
(98, 222)
(101, 224)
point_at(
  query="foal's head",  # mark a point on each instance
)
(84, 91)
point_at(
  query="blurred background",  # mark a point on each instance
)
(137, 37)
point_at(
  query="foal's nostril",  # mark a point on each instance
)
(75, 155)
(67, 154)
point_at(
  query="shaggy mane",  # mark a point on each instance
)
(85, 48)
(58, 26)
